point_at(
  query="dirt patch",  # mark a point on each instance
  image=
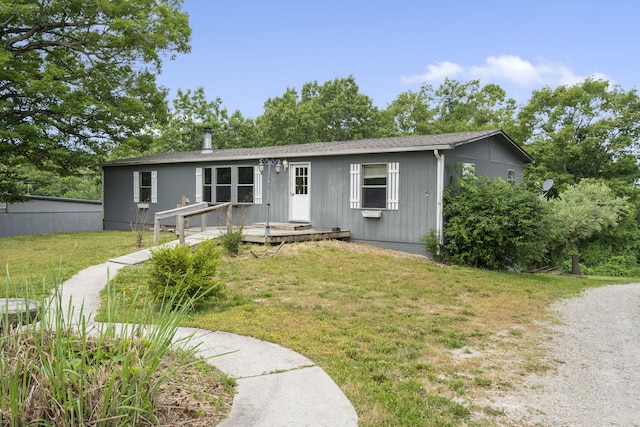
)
(191, 398)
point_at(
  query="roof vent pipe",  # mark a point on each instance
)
(206, 141)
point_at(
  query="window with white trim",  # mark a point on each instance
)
(244, 190)
(374, 186)
(207, 185)
(145, 187)
(223, 184)
(511, 176)
(241, 184)
(468, 169)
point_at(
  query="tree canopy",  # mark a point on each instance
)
(190, 114)
(78, 78)
(452, 107)
(582, 210)
(588, 130)
(333, 111)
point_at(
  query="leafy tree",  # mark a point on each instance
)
(84, 184)
(493, 224)
(589, 130)
(581, 211)
(191, 113)
(183, 129)
(453, 107)
(280, 124)
(333, 111)
(78, 78)
(411, 112)
(623, 241)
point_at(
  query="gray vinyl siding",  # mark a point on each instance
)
(330, 206)
(43, 215)
(173, 181)
(329, 196)
(490, 157)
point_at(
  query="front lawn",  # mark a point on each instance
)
(410, 342)
(40, 262)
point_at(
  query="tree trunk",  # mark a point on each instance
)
(575, 265)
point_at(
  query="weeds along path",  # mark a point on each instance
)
(595, 358)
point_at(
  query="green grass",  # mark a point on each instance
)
(54, 372)
(408, 341)
(43, 261)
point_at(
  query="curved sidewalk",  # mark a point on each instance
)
(275, 386)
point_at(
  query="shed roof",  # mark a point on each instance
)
(397, 144)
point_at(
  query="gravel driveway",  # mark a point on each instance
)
(596, 359)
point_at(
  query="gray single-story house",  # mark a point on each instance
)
(386, 191)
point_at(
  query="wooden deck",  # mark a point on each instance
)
(279, 232)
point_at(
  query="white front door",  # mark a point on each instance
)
(300, 201)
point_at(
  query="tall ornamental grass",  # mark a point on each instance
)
(66, 370)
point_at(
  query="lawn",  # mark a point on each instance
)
(40, 262)
(410, 342)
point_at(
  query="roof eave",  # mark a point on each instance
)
(523, 153)
(281, 154)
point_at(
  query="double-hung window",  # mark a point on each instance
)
(207, 184)
(145, 187)
(374, 186)
(223, 184)
(244, 189)
(468, 169)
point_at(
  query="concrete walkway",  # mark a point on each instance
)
(275, 386)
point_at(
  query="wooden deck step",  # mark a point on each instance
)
(288, 226)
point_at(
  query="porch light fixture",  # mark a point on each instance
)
(278, 165)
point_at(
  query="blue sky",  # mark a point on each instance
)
(248, 51)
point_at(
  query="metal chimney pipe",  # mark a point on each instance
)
(206, 141)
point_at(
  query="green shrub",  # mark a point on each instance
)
(231, 240)
(432, 244)
(493, 224)
(616, 266)
(180, 274)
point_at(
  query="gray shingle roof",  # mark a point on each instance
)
(445, 141)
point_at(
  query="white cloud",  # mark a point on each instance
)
(435, 72)
(507, 67)
(504, 69)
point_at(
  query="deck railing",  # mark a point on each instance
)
(184, 212)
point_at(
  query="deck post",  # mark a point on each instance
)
(203, 222)
(156, 230)
(180, 227)
(229, 218)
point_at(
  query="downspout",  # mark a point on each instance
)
(439, 194)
